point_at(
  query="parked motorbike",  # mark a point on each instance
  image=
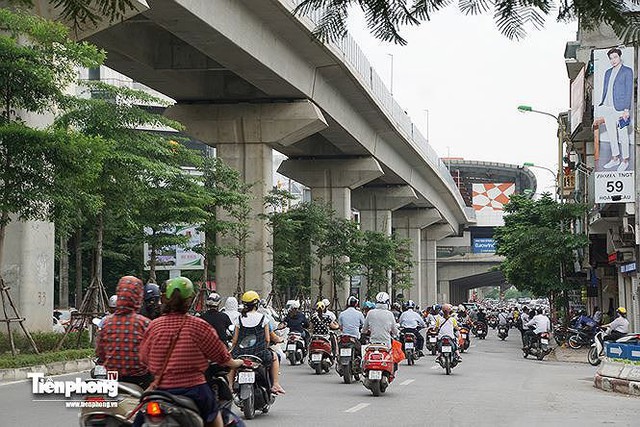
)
(408, 340)
(447, 357)
(561, 334)
(378, 368)
(252, 387)
(481, 330)
(580, 338)
(596, 352)
(503, 332)
(432, 340)
(349, 362)
(118, 416)
(320, 354)
(296, 348)
(464, 341)
(538, 346)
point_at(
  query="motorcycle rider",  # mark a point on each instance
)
(381, 323)
(430, 319)
(251, 322)
(119, 340)
(503, 317)
(218, 320)
(524, 316)
(412, 322)
(296, 321)
(351, 322)
(231, 309)
(396, 310)
(619, 327)
(330, 314)
(196, 343)
(151, 307)
(448, 326)
(538, 324)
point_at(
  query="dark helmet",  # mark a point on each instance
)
(151, 291)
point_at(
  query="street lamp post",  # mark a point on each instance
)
(390, 55)
(555, 176)
(561, 134)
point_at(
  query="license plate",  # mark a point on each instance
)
(544, 341)
(100, 370)
(464, 335)
(346, 352)
(446, 349)
(317, 357)
(246, 377)
(433, 339)
(291, 347)
(375, 375)
(408, 345)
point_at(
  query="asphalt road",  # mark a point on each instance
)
(494, 386)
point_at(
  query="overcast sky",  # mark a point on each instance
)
(471, 79)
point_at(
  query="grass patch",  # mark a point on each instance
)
(45, 341)
(22, 360)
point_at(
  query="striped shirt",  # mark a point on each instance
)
(197, 344)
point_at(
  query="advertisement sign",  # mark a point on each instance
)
(484, 246)
(489, 200)
(614, 121)
(177, 257)
(577, 100)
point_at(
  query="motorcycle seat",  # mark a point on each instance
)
(183, 401)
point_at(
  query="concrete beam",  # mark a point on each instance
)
(382, 198)
(415, 218)
(438, 232)
(279, 124)
(332, 173)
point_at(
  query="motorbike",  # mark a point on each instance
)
(432, 340)
(447, 357)
(378, 368)
(481, 330)
(538, 347)
(408, 340)
(349, 362)
(118, 416)
(560, 334)
(596, 351)
(252, 387)
(320, 354)
(464, 340)
(580, 338)
(160, 408)
(296, 348)
(503, 332)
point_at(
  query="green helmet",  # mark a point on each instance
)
(182, 285)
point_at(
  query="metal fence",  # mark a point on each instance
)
(350, 53)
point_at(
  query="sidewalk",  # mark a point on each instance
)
(570, 355)
(55, 368)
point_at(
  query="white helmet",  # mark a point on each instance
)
(382, 298)
(113, 301)
(213, 300)
(461, 308)
(294, 303)
(326, 303)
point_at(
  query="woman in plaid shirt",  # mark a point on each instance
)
(197, 343)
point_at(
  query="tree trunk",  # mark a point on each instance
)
(4, 221)
(78, 253)
(64, 272)
(99, 243)
(239, 287)
(152, 264)
(205, 261)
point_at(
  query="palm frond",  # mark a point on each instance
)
(422, 9)
(474, 7)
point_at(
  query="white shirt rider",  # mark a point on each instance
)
(541, 323)
(409, 319)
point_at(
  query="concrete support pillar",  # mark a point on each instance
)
(431, 235)
(376, 206)
(331, 181)
(244, 135)
(408, 224)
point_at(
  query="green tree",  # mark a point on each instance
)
(375, 253)
(136, 161)
(385, 18)
(41, 168)
(539, 245)
(402, 279)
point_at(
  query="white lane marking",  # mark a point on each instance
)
(357, 407)
(406, 382)
(435, 366)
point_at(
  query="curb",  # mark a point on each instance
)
(55, 368)
(616, 385)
